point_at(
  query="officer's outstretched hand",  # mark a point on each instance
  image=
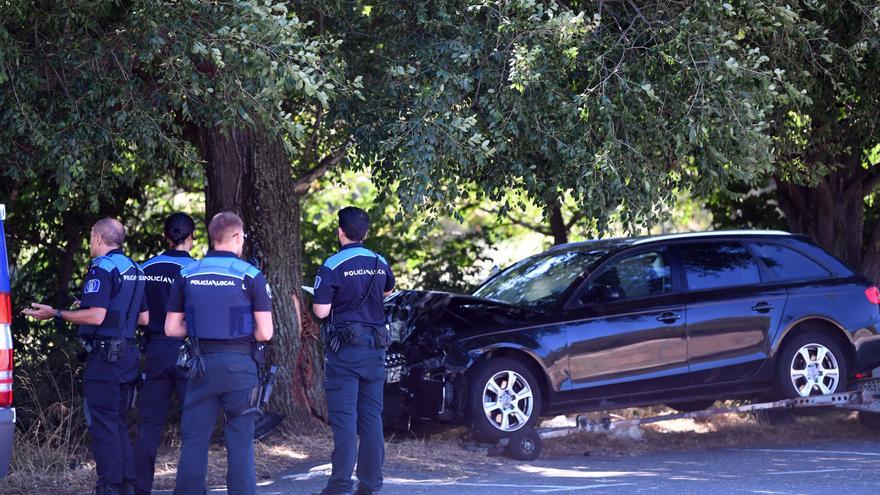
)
(39, 311)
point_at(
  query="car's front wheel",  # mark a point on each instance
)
(811, 364)
(503, 397)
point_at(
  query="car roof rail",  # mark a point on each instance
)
(712, 233)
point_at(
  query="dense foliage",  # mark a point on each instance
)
(615, 105)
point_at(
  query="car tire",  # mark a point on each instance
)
(525, 445)
(691, 406)
(497, 408)
(811, 363)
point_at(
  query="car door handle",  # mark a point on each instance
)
(762, 307)
(669, 317)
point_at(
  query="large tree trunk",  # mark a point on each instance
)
(557, 224)
(249, 173)
(832, 212)
(229, 157)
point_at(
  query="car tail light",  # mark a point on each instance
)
(5, 322)
(5, 352)
(873, 294)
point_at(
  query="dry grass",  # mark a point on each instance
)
(50, 455)
(43, 466)
(723, 431)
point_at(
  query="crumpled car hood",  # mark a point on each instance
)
(443, 316)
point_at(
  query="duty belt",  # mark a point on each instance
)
(218, 346)
(107, 349)
(362, 334)
(161, 336)
(102, 338)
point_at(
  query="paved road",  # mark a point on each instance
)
(843, 468)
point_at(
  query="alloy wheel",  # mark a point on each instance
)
(814, 370)
(508, 401)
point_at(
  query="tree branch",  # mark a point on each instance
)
(522, 223)
(638, 11)
(302, 183)
(575, 218)
(313, 142)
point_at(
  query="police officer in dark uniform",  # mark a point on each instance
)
(112, 305)
(161, 377)
(227, 307)
(349, 291)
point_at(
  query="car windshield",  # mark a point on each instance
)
(539, 280)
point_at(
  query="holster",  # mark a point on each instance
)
(334, 335)
(189, 359)
(134, 389)
(259, 352)
(183, 355)
(107, 350)
(144, 342)
(260, 395)
(383, 336)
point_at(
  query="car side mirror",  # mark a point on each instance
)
(601, 293)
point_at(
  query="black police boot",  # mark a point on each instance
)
(328, 492)
(363, 490)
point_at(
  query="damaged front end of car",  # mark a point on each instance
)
(436, 341)
(425, 365)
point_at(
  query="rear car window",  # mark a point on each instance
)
(712, 265)
(788, 264)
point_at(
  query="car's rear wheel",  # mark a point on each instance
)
(811, 364)
(503, 397)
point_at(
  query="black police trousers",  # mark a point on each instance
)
(106, 387)
(354, 382)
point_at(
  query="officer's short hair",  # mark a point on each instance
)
(179, 226)
(111, 230)
(223, 225)
(354, 222)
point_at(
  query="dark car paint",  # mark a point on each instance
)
(726, 337)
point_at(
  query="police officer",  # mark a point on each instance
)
(161, 377)
(349, 289)
(227, 306)
(112, 305)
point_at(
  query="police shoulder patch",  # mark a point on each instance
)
(268, 290)
(92, 286)
(317, 283)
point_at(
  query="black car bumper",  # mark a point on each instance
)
(428, 391)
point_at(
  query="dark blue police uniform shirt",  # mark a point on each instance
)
(218, 295)
(344, 278)
(161, 272)
(102, 283)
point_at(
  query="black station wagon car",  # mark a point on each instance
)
(682, 320)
